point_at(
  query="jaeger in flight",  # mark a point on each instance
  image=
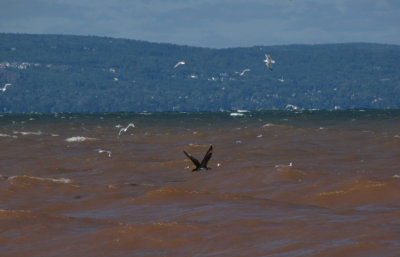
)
(203, 164)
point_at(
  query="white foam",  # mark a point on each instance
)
(4, 135)
(197, 145)
(284, 165)
(59, 180)
(79, 139)
(236, 114)
(27, 133)
(268, 125)
(55, 180)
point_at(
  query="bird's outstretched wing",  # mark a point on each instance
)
(207, 157)
(194, 160)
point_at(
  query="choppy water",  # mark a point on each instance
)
(281, 184)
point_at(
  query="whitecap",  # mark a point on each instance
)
(268, 125)
(236, 114)
(79, 139)
(55, 180)
(198, 145)
(284, 165)
(27, 133)
(59, 180)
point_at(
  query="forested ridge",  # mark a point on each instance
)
(61, 73)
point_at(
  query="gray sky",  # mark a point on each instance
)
(210, 23)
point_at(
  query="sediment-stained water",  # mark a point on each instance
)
(309, 183)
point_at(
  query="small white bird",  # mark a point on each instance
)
(291, 107)
(104, 151)
(268, 61)
(281, 80)
(244, 71)
(179, 63)
(5, 87)
(126, 128)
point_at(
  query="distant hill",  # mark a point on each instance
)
(54, 73)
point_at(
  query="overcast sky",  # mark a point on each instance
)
(210, 23)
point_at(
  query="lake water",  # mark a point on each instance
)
(308, 183)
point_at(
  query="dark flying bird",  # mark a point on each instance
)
(203, 164)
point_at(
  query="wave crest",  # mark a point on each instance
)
(80, 139)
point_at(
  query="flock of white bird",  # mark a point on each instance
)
(268, 61)
(123, 129)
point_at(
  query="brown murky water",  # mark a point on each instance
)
(281, 184)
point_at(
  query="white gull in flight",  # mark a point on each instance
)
(268, 61)
(126, 128)
(104, 151)
(179, 63)
(5, 87)
(244, 71)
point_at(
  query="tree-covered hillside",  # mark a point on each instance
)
(53, 73)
